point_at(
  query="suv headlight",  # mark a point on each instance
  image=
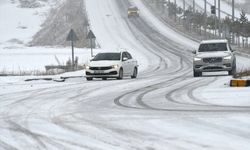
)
(227, 57)
(197, 59)
(115, 66)
(87, 67)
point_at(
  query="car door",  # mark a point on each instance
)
(130, 63)
(125, 64)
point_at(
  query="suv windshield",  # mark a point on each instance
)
(213, 47)
(107, 56)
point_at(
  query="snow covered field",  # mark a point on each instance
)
(30, 59)
(18, 24)
(165, 108)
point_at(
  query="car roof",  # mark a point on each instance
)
(114, 52)
(108, 52)
(214, 41)
(133, 7)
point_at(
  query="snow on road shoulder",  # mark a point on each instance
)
(14, 84)
(220, 93)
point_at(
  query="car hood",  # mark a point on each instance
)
(103, 63)
(212, 54)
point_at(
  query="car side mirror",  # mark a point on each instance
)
(194, 52)
(125, 59)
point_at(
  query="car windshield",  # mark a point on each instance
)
(213, 47)
(107, 56)
(132, 9)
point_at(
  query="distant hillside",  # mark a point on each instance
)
(55, 29)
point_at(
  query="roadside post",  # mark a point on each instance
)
(92, 37)
(72, 37)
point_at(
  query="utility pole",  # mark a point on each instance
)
(175, 11)
(233, 17)
(205, 7)
(219, 23)
(215, 18)
(193, 5)
(205, 16)
(184, 5)
(233, 10)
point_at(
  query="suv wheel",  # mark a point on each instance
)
(197, 74)
(89, 78)
(233, 71)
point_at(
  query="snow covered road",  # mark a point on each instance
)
(165, 108)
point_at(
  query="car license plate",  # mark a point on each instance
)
(99, 71)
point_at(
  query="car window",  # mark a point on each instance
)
(211, 47)
(107, 56)
(129, 55)
(124, 55)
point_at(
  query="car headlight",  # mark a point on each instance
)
(227, 57)
(115, 66)
(197, 59)
(87, 67)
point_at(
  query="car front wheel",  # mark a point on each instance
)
(120, 74)
(134, 73)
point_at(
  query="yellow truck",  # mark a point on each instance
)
(133, 11)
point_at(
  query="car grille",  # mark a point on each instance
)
(212, 60)
(100, 68)
(213, 68)
(110, 73)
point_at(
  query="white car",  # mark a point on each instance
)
(112, 65)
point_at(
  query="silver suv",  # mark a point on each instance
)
(214, 55)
